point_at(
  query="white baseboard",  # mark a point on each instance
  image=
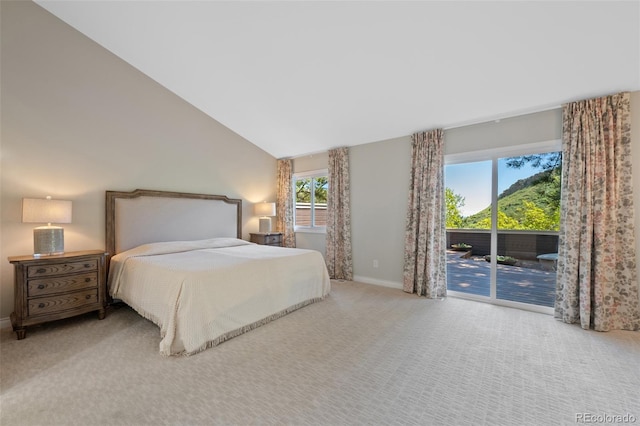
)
(5, 323)
(376, 281)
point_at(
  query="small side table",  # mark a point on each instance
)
(54, 287)
(549, 261)
(267, 239)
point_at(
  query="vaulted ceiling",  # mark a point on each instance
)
(299, 77)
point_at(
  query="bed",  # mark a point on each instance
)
(178, 260)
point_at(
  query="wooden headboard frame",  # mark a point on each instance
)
(112, 212)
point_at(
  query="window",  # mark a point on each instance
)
(310, 192)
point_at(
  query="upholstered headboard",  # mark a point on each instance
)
(146, 216)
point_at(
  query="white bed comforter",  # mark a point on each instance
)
(201, 293)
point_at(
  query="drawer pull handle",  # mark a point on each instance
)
(86, 280)
(41, 305)
(41, 271)
(40, 286)
(88, 296)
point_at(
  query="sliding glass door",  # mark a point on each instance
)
(502, 227)
(467, 197)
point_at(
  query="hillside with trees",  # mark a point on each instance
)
(529, 204)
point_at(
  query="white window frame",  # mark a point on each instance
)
(306, 175)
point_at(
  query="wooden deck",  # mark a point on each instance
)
(514, 283)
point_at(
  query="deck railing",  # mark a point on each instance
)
(527, 281)
(526, 245)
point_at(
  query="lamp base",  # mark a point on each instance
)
(48, 240)
(265, 225)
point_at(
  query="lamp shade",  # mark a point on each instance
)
(40, 210)
(264, 209)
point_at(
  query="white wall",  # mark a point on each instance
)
(379, 195)
(521, 130)
(77, 121)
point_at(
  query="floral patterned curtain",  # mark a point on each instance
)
(284, 203)
(338, 255)
(597, 282)
(425, 267)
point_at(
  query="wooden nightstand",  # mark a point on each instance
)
(49, 288)
(267, 239)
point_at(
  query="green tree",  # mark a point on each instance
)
(549, 180)
(303, 190)
(453, 204)
(504, 222)
(547, 161)
(551, 193)
(320, 188)
(535, 218)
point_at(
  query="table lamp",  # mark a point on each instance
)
(264, 210)
(47, 240)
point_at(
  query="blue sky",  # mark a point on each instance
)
(473, 182)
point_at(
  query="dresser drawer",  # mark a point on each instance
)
(61, 268)
(62, 302)
(44, 286)
(272, 239)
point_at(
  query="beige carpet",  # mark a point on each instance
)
(365, 355)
